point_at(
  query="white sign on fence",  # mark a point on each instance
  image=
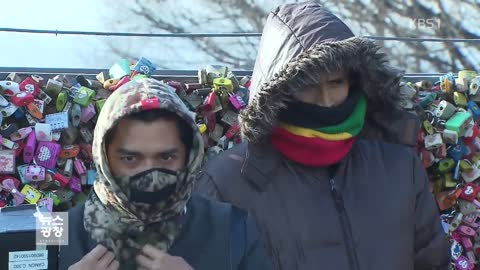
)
(28, 260)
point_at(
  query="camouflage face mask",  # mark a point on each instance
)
(157, 199)
(152, 187)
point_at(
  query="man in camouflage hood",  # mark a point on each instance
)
(147, 149)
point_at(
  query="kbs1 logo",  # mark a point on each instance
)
(419, 23)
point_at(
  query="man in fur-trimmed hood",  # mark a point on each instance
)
(328, 166)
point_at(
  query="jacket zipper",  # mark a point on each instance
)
(346, 227)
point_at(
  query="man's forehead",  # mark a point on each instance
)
(335, 74)
(155, 149)
(140, 136)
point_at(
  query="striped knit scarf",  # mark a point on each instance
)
(320, 146)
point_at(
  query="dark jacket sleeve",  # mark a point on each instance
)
(431, 245)
(76, 248)
(205, 186)
(255, 255)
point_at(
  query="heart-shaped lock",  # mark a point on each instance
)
(47, 153)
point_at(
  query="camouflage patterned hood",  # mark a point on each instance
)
(110, 217)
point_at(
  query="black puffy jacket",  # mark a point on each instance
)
(376, 211)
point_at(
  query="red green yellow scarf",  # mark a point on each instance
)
(320, 146)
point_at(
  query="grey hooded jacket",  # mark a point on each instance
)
(375, 211)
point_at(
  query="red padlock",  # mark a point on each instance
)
(69, 151)
(237, 140)
(446, 199)
(232, 131)
(19, 149)
(476, 133)
(209, 102)
(123, 81)
(59, 179)
(211, 121)
(86, 150)
(427, 158)
(469, 192)
(22, 99)
(421, 137)
(248, 83)
(31, 86)
(441, 152)
(456, 236)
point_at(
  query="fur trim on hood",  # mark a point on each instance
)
(300, 41)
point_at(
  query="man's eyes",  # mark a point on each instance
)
(167, 157)
(128, 158)
(338, 81)
(164, 157)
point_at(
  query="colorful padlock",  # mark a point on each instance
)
(84, 96)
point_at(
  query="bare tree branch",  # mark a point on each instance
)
(374, 17)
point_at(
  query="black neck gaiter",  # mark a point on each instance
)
(309, 115)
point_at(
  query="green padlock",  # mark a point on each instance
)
(437, 185)
(459, 122)
(428, 127)
(84, 96)
(426, 98)
(448, 181)
(460, 99)
(465, 166)
(139, 77)
(61, 101)
(99, 104)
(65, 195)
(55, 198)
(446, 165)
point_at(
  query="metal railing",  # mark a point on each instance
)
(164, 74)
(188, 75)
(224, 35)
